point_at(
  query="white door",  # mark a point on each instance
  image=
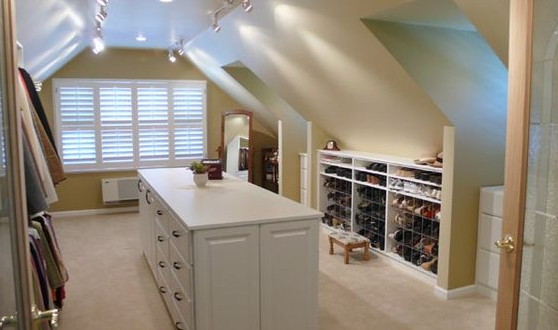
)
(226, 277)
(289, 275)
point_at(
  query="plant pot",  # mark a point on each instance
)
(200, 179)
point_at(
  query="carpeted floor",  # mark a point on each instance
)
(110, 287)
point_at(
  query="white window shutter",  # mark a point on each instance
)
(77, 125)
(188, 111)
(117, 142)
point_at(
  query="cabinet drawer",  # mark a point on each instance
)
(163, 268)
(161, 238)
(488, 268)
(490, 230)
(182, 270)
(183, 303)
(180, 237)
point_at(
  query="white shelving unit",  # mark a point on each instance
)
(355, 196)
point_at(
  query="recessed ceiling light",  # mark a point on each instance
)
(141, 37)
(165, 0)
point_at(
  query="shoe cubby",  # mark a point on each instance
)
(391, 201)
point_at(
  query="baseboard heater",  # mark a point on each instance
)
(118, 190)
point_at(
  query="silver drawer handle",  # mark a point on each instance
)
(162, 264)
(160, 238)
(178, 296)
(162, 289)
(159, 212)
(179, 326)
(177, 265)
(176, 233)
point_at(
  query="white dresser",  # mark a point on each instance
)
(230, 256)
(489, 231)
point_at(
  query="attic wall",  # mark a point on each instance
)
(338, 76)
(468, 82)
(83, 191)
(294, 129)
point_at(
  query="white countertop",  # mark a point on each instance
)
(222, 203)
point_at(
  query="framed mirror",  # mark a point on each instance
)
(236, 150)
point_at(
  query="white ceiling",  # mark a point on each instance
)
(53, 31)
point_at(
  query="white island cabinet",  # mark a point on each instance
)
(230, 256)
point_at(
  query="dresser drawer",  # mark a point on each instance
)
(490, 230)
(488, 268)
(180, 237)
(183, 303)
(161, 238)
(163, 269)
(182, 270)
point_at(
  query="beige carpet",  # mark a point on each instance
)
(111, 288)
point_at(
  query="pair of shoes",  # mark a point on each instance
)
(405, 173)
(430, 192)
(403, 220)
(396, 184)
(377, 167)
(372, 179)
(396, 235)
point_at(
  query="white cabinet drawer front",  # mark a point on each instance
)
(488, 268)
(180, 237)
(161, 238)
(289, 275)
(227, 278)
(183, 303)
(163, 270)
(492, 202)
(182, 270)
(490, 230)
(178, 320)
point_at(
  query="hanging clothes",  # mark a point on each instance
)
(36, 200)
(35, 145)
(53, 161)
(36, 101)
(243, 155)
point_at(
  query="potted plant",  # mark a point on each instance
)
(200, 173)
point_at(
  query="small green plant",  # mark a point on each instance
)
(198, 168)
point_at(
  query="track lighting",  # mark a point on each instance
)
(227, 4)
(98, 44)
(172, 58)
(247, 5)
(103, 3)
(102, 15)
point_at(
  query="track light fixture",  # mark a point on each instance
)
(247, 5)
(98, 44)
(227, 4)
(172, 58)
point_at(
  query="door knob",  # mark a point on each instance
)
(7, 321)
(51, 315)
(507, 243)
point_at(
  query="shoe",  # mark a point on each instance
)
(438, 195)
(428, 265)
(438, 216)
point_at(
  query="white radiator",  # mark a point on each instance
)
(119, 190)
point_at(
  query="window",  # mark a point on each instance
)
(109, 124)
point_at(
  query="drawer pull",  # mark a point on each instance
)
(177, 265)
(179, 326)
(139, 186)
(160, 238)
(162, 289)
(147, 196)
(162, 264)
(176, 233)
(178, 296)
(159, 212)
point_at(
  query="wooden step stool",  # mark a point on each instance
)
(349, 241)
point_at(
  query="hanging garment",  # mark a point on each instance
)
(53, 162)
(35, 145)
(243, 155)
(50, 238)
(36, 101)
(52, 270)
(36, 201)
(39, 267)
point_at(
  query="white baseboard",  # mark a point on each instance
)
(455, 293)
(77, 213)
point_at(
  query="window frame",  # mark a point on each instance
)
(134, 84)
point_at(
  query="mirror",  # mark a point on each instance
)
(236, 150)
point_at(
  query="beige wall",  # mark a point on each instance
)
(82, 191)
(468, 82)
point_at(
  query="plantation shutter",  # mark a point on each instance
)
(188, 109)
(77, 125)
(115, 104)
(153, 122)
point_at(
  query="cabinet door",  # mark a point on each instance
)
(226, 277)
(289, 275)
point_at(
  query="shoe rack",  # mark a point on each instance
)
(392, 201)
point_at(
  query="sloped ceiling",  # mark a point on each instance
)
(52, 32)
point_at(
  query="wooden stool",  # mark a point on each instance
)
(349, 241)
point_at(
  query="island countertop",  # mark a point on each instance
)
(222, 203)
